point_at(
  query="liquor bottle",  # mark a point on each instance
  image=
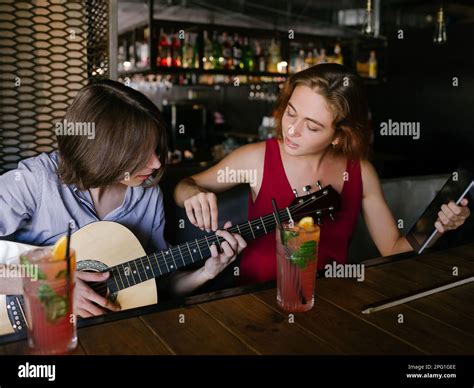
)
(260, 57)
(274, 57)
(217, 56)
(338, 58)
(195, 45)
(138, 52)
(372, 65)
(300, 61)
(227, 51)
(141, 49)
(322, 56)
(146, 48)
(176, 52)
(131, 55)
(247, 56)
(187, 53)
(237, 53)
(308, 61)
(315, 56)
(293, 60)
(164, 51)
(208, 58)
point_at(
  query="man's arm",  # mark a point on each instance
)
(9, 285)
(9, 254)
(20, 193)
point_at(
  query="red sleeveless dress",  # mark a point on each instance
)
(258, 262)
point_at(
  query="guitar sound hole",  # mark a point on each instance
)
(99, 287)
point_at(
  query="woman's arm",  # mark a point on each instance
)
(377, 215)
(196, 193)
(381, 223)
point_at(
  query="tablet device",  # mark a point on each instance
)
(424, 234)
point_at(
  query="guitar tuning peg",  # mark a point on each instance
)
(331, 216)
(319, 185)
(295, 193)
(306, 189)
(319, 221)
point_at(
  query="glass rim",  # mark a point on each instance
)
(286, 226)
(48, 253)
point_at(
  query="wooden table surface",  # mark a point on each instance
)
(253, 324)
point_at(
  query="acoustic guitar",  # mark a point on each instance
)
(107, 246)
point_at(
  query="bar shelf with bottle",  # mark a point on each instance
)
(266, 55)
(361, 54)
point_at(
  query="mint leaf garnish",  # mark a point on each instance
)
(45, 292)
(55, 306)
(305, 253)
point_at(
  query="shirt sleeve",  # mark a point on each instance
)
(20, 193)
(158, 241)
(11, 251)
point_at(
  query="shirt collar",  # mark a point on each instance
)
(132, 196)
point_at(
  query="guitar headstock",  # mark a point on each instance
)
(324, 202)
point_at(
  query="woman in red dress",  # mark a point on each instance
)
(323, 134)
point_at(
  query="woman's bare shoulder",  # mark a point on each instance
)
(250, 154)
(367, 169)
(253, 148)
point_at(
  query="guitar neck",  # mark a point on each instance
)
(161, 263)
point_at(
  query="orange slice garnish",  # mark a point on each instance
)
(59, 250)
(306, 222)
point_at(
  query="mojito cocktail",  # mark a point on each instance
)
(297, 250)
(49, 302)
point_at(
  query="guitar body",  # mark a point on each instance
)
(110, 243)
(6, 327)
(98, 245)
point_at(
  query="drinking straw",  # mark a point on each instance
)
(383, 306)
(277, 216)
(68, 249)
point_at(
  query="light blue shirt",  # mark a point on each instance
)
(35, 206)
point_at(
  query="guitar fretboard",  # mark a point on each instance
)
(160, 263)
